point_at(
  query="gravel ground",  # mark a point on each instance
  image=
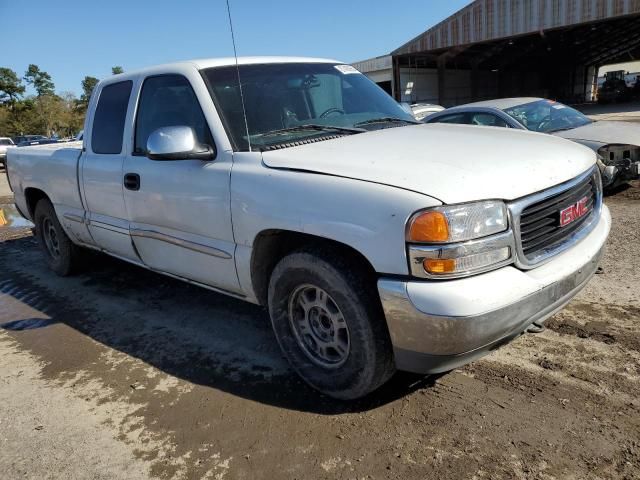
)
(122, 373)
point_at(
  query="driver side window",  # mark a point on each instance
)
(167, 101)
(459, 118)
(487, 120)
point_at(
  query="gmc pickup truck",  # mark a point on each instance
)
(376, 243)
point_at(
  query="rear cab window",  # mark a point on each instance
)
(109, 120)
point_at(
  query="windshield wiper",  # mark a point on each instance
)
(386, 120)
(561, 129)
(312, 126)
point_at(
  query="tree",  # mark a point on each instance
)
(39, 80)
(71, 120)
(21, 118)
(116, 70)
(88, 85)
(11, 87)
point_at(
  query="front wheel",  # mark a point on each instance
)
(329, 323)
(61, 255)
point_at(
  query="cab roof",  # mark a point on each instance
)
(203, 63)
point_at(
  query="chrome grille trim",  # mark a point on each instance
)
(545, 254)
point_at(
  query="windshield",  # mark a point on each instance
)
(294, 102)
(547, 116)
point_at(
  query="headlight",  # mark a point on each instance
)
(458, 223)
(459, 240)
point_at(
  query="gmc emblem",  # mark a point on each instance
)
(574, 212)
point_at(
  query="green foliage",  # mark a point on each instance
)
(45, 113)
(11, 87)
(88, 84)
(116, 70)
(39, 80)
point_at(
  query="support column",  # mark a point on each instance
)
(474, 82)
(590, 82)
(396, 87)
(442, 71)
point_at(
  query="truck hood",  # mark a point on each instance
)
(605, 132)
(452, 163)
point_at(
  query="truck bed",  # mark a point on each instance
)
(52, 168)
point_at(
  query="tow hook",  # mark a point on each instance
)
(535, 328)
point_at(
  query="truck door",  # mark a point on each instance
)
(179, 210)
(101, 172)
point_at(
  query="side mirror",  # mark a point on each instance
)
(177, 143)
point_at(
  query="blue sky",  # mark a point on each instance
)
(73, 38)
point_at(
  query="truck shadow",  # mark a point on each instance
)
(185, 331)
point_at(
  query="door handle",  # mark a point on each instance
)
(132, 181)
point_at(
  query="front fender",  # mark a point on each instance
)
(369, 217)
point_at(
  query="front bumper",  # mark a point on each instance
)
(438, 326)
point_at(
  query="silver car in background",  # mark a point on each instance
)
(617, 143)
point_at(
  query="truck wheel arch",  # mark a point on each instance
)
(270, 246)
(33, 196)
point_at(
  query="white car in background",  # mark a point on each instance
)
(5, 143)
(424, 110)
(617, 143)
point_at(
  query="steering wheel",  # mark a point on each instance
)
(545, 122)
(331, 110)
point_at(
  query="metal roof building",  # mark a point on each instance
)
(378, 69)
(497, 48)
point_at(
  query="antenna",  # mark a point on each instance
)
(235, 54)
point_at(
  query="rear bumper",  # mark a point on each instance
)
(439, 325)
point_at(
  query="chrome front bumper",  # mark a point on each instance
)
(438, 326)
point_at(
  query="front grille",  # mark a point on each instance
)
(540, 222)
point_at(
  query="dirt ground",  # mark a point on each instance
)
(627, 111)
(122, 373)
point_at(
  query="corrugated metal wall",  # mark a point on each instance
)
(485, 20)
(374, 64)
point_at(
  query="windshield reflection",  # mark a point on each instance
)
(547, 116)
(293, 102)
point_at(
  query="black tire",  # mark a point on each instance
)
(65, 257)
(369, 360)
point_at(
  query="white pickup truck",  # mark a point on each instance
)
(375, 243)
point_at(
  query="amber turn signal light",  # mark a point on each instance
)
(440, 265)
(429, 227)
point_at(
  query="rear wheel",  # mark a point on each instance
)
(329, 323)
(61, 255)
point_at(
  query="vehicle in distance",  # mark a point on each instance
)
(44, 141)
(28, 138)
(617, 143)
(614, 88)
(376, 242)
(423, 110)
(4, 144)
